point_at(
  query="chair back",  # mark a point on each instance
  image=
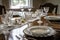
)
(51, 6)
(2, 10)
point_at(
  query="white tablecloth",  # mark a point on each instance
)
(17, 31)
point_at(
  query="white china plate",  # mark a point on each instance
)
(39, 31)
(52, 17)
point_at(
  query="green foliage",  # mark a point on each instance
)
(23, 2)
(16, 2)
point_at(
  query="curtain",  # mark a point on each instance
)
(5, 3)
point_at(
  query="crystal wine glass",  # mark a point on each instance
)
(29, 9)
(3, 29)
(5, 21)
(6, 32)
(22, 10)
(30, 14)
(46, 9)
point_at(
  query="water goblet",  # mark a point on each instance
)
(29, 9)
(22, 10)
(30, 14)
(46, 9)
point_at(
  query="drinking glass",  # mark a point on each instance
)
(46, 9)
(40, 22)
(3, 29)
(40, 12)
(30, 14)
(22, 10)
(6, 32)
(6, 21)
(29, 9)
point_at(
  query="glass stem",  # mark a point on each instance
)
(6, 37)
(28, 25)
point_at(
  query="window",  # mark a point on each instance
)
(16, 4)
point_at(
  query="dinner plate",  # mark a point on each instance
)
(52, 17)
(39, 31)
(55, 19)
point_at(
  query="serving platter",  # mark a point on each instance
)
(39, 31)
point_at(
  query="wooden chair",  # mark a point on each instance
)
(2, 37)
(2, 10)
(51, 7)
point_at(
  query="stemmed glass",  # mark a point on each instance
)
(40, 13)
(30, 16)
(40, 22)
(29, 9)
(46, 9)
(22, 10)
(6, 32)
(6, 22)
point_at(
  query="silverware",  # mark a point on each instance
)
(31, 38)
(23, 37)
(18, 37)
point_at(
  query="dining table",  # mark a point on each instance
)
(55, 25)
(16, 31)
(17, 34)
(10, 27)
